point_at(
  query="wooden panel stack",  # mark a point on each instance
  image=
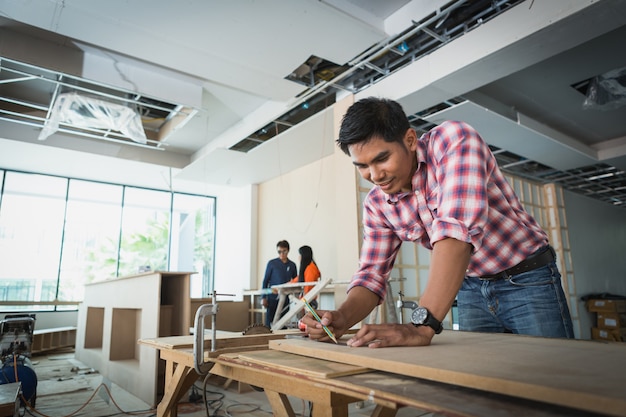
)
(610, 319)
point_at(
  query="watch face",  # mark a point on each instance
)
(419, 315)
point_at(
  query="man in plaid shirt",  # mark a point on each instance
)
(445, 191)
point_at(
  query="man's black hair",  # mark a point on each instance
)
(372, 117)
(283, 244)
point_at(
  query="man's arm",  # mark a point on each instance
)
(447, 270)
(266, 281)
(359, 303)
(448, 264)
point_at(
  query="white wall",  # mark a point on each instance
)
(315, 205)
(597, 234)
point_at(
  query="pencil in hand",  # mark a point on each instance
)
(328, 332)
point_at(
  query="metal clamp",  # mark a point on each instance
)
(204, 310)
(404, 304)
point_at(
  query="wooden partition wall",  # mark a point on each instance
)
(118, 312)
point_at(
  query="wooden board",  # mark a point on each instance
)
(582, 374)
(306, 365)
(445, 399)
(224, 339)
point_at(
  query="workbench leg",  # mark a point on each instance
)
(177, 382)
(281, 407)
(381, 411)
(325, 410)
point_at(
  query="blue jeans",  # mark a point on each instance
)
(531, 303)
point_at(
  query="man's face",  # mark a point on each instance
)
(282, 253)
(387, 164)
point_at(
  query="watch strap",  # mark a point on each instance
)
(431, 322)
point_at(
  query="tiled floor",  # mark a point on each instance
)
(67, 387)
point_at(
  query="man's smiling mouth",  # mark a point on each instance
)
(385, 184)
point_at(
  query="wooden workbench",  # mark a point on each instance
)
(177, 352)
(461, 374)
(332, 386)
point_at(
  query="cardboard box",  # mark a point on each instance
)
(611, 320)
(614, 335)
(608, 306)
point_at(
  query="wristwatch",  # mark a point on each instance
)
(422, 317)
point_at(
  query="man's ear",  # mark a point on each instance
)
(410, 139)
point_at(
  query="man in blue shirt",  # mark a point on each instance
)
(278, 271)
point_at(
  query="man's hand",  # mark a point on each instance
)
(264, 302)
(334, 320)
(385, 335)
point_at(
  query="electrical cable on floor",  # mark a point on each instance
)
(218, 401)
(229, 411)
(245, 409)
(32, 410)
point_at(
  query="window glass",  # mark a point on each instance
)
(31, 228)
(192, 248)
(145, 231)
(91, 238)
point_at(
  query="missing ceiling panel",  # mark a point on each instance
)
(315, 70)
(606, 91)
(303, 111)
(601, 182)
(58, 102)
(83, 111)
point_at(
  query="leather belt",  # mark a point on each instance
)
(540, 259)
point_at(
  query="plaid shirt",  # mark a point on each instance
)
(458, 192)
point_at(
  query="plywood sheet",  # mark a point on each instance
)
(306, 365)
(582, 374)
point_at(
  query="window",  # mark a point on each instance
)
(31, 231)
(92, 233)
(57, 234)
(192, 237)
(145, 231)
